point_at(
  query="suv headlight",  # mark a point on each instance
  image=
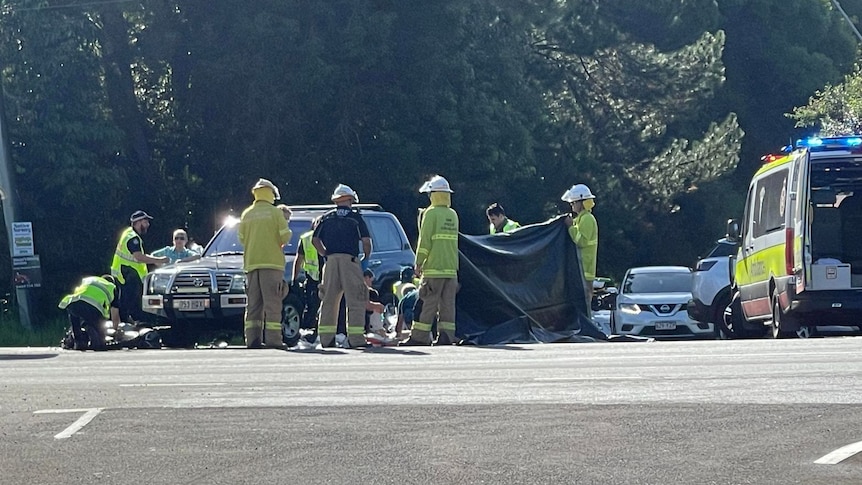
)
(630, 308)
(159, 283)
(237, 283)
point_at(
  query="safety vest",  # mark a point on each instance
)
(509, 226)
(311, 266)
(94, 290)
(122, 257)
(585, 234)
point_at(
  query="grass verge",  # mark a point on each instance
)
(46, 333)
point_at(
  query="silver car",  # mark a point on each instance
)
(652, 303)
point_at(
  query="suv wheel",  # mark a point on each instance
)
(291, 316)
(775, 326)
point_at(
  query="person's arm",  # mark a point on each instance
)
(134, 247)
(365, 237)
(115, 317)
(366, 247)
(316, 240)
(298, 261)
(189, 256)
(584, 232)
(284, 231)
(423, 246)
(374, 306)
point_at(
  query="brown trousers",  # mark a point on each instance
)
(342, 276)
(265, 290)
(438, 301)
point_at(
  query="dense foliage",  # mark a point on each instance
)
(177, 107)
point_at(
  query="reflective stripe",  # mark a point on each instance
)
(446, 237)
(327, 329)
(422, 251)
(441, 273)
(446, 326)
(424, 327)
(356, 330)
(253, 325)
(272, 325)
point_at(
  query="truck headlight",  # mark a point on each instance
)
(159, 283)
(237, 283)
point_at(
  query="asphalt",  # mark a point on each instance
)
(722, 412)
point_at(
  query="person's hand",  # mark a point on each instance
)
(568, 220)
(287, 213)
(417, 272)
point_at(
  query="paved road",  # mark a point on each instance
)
(722, 412)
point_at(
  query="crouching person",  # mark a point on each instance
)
(95, 300)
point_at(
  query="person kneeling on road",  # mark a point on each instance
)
(95, 300)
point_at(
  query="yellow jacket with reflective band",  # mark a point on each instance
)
(262, 232)
(437, 249)
(509, 226)
(311, 264)
(122, 257)
(94, 290)
(585, 234)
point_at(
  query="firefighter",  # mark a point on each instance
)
(263, 230)
(129, 266)
(95, 300)
(498, 220)
(337, 239)
(584, 231)
(437, 265)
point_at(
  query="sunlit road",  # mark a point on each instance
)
(723, 412)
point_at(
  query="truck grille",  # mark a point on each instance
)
(201, 282)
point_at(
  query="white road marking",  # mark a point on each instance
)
(89, 415)
(840, 454)
(176, 384)
(609, 378)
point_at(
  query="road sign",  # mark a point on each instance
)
(22, 239)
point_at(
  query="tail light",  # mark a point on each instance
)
(788, 251)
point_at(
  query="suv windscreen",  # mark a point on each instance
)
(658, 283)
(226, 241)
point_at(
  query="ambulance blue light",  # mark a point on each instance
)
(830, 143)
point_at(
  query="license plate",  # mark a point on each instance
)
(665, 325)
(190, 305)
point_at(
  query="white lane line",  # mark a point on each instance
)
(840, 454)
(176, 384)
(89, 415)
(609, 378)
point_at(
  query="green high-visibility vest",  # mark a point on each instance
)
(509, 226)
(96, 291)
(311, 266)
(122, 257)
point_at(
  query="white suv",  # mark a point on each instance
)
(710, 288)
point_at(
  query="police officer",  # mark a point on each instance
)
(95, 299)
(337, 239)
(498, 220)
(129, 266)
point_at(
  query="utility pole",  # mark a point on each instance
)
(844, 14)
(7, 198)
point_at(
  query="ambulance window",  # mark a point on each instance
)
(770, 203)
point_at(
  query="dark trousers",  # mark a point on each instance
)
(131, 293)
(81, 315)
(312, 304)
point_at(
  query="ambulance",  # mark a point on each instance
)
(799, 263)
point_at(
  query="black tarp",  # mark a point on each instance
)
(522, 287)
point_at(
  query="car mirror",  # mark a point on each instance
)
(732, 230)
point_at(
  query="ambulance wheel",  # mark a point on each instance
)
(775, 326)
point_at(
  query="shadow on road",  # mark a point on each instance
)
(26, 356)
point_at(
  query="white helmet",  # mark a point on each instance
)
(577, 192)
(266, 183)
(344, 191)
(436, 184)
